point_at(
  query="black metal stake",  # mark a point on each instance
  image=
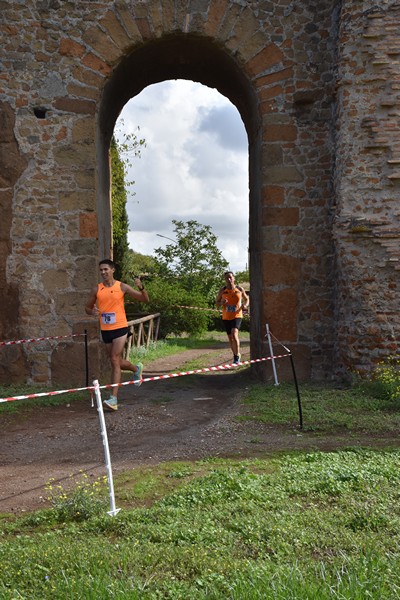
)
(86, 359)
(297, 391)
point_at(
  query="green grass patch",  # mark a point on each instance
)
(175, 345)
(310, 526)
(201, 362)
(325, 409)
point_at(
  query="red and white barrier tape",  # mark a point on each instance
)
(146, 379)
(199, 308)
(42, 394)
(204, 370)
(54, 337)
(206, 309)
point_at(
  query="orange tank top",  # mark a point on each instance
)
(110, 302)
(233, 308)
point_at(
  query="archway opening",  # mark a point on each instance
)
(194, 166)
(197, 60)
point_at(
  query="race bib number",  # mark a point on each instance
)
(108, 318)
(231, 307)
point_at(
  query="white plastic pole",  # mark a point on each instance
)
(113, 511)
(272, 355)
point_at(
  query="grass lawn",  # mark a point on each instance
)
(314, 525)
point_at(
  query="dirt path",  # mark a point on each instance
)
(180, 418)
(161, 420)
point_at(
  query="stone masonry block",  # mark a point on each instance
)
(168, 15)
(11, 161)
(268, 93)
(194, 22)
(74, 155)
(101, 44)
(97, 64)
(280, 269)
(76, 200)
(280, 312)
(14, 367)
(85, 179)
(83, 130)
(285, 74)
(70, 47)
(284, 217)
(155, 11)
(272, 156)
(273, 195)
(115, 30)
(85, 267)
(87, 76)
(88, 226)
(68, 364)
(144, 28)
(7, 121)
(252, 46)
(243, 30)
(216, 14)
(268, 57)
(127, 19)
(70, 303)
(56, 279)
(281, 175)
(231, 16)
(83, 91)
(74, 105)
(280, 133)
(83, 247)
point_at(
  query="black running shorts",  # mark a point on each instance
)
(109, 335)
(232, 324)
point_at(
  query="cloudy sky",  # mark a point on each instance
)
(195, 166)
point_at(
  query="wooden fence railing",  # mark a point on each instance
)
(144, 330)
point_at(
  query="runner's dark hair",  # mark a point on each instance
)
(107, 261)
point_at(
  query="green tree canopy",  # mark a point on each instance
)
(194, 260)
(120, 221)
(140, 264)
(121, 154)
(242, 277)
(188, 272)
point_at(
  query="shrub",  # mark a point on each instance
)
(79, 503)
(166, 297)
(386, 379)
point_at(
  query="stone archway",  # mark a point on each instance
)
(323, 165)
(278, 186)
(201, 60)
(105, 56)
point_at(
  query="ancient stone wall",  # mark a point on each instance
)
(367, 177)
(316, 83)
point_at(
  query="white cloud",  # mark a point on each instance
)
(195, 166)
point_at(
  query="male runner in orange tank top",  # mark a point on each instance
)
(234, 301)
(106, 301)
